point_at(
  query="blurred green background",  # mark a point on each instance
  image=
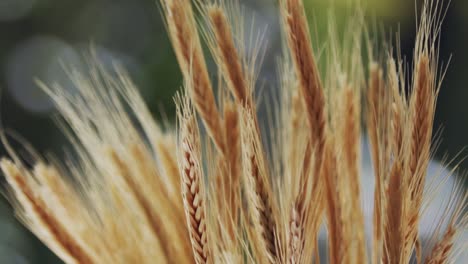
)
(38, 37)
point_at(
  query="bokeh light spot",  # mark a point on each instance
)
(41, 58)
(11, 10)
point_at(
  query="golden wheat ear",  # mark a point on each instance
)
(226, 54)
(125, 199)
(182, 29)
(34, 210)
(401, 155)
(192, 179)
(446, 244)
(311, 90)
(220, 38)
(262, 207)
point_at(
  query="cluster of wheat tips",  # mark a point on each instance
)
(221, 188)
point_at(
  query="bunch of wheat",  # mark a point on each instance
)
(138, 194)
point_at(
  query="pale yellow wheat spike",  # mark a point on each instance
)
(298, 131)
(377, 126)
(411, 144)
(305, 201)
(303, 226)
(224, 229)
(300, 45)
(239, 75)
(398, 108)
(136, 172)
(296, 238)
(422, 108)
(183, 32)
(119, 175)
(261, 203)
(102, 122)
(65, 203)
(193, 189)
(334, 210)
(296, 155)
(394, 196)
(297, 34)
(348, 140)
(218, 193)
(118, 205)
(37, 216)
(162, 144)
(421, 114)
(222, 197)
(224, 202)
(444, 249)
(297, 162)
(231, 67)
(345, 77)
(165, 150)
(233, 140)
(393, 234)
(227, 56)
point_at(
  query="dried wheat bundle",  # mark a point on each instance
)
(136, 193)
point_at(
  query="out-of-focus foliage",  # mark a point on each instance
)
(381, 8)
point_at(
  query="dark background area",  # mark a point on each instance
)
(38, 37)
